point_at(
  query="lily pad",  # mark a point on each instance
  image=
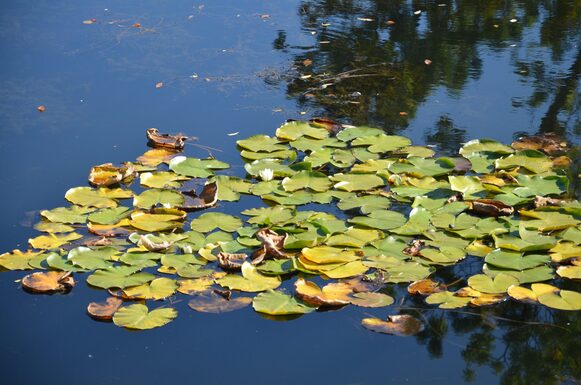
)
(139, 317)
(278, 303)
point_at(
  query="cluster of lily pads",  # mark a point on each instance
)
(390, 213)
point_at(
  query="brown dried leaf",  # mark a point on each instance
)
(158, 84)
(400, 325)
(550, 144)
(425, 287)
(211, 302)
(174, 142)
(153, 246)
(328, 124)
(41, 108)
(230, 261)
(104, 311)
(273, 243)
(49, 282)
(107, 174)
(207, 198)
(414, 248)
(546, 201)
(333, 294)
(157, 156)
(490, 208)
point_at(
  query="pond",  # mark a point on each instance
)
(440, 73)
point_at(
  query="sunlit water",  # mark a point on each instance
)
(496, 69)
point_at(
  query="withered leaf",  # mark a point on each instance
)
(104, 311)
(400, 325)
(107, 174)
(207, 198)
(211, 302)
(549, 143)
(414, 248)
(174, 142)
(330, 125)
(230, 261)
(272, 242)
(151, 245)
(490, 208)
(425, 287)
(49, 282)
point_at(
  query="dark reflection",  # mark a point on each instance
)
(375, 62)
(521, 344)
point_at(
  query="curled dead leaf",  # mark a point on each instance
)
(427, 62)
(549, 143)
(230, 261)
(174, 142)
(104, 311)
(41, 108)
(400, 325)
(107, 174)
(207, 198)
(211, 302)
(415, 247)
(425, 287)
(330, 125)
(49, 282)
(98, 241)
(272, 243)
(158, 84)
(546, 201)
(333, 294)
(150, 245)
(490, 208)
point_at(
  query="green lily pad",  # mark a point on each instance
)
(540, 185)
(354, 237)
(356, 182)
(532, 160)
(515, 260)
(262, 143)
(366, 203)
(157, 289)
(535, 274)
(269, 215)
(294, 130)
(210, 221)
(153, 197)
(315, 181)
(497, 285)
(447, 300)
(119, 277)
(71, 215)
(161, 179)
(250, 280)
(18, 260)
(488, 145)
(380, 219)
(109, 216)
(306, 144)
(196, 168)
(101, 197)
(351, 133)
(230, 188)
(139, 317)
(92, 259)
(278, 303)
(382, 143)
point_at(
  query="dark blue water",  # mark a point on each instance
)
(236, 67)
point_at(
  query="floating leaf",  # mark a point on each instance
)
(496, 285)
(381, 143)
(251, 280)
(399, 325)
(139, 317)
(269, 215)
(315, 181)
(532, 160)
(195, 168)
(161, 179)
(488, 145)
(119, 277)
(102, 197)
(515, 260)
(277, 303)
(229, 188)
(333, 294)
(104, 311)
(210, 221)
(356, 182)
(425, 287)
(366, 203)
(153, 197)
(294, 130)
(157, 156)
(52, 241)
(157, 289)
(367, 299)
(380, 219)
(262, 143)
(351, 133)
(72, 214)
(90, 259)
(447, 300)
(18, 260)
(156, 139)
(210, 302)
(109, 216)
(49, 282)
(571, 272)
